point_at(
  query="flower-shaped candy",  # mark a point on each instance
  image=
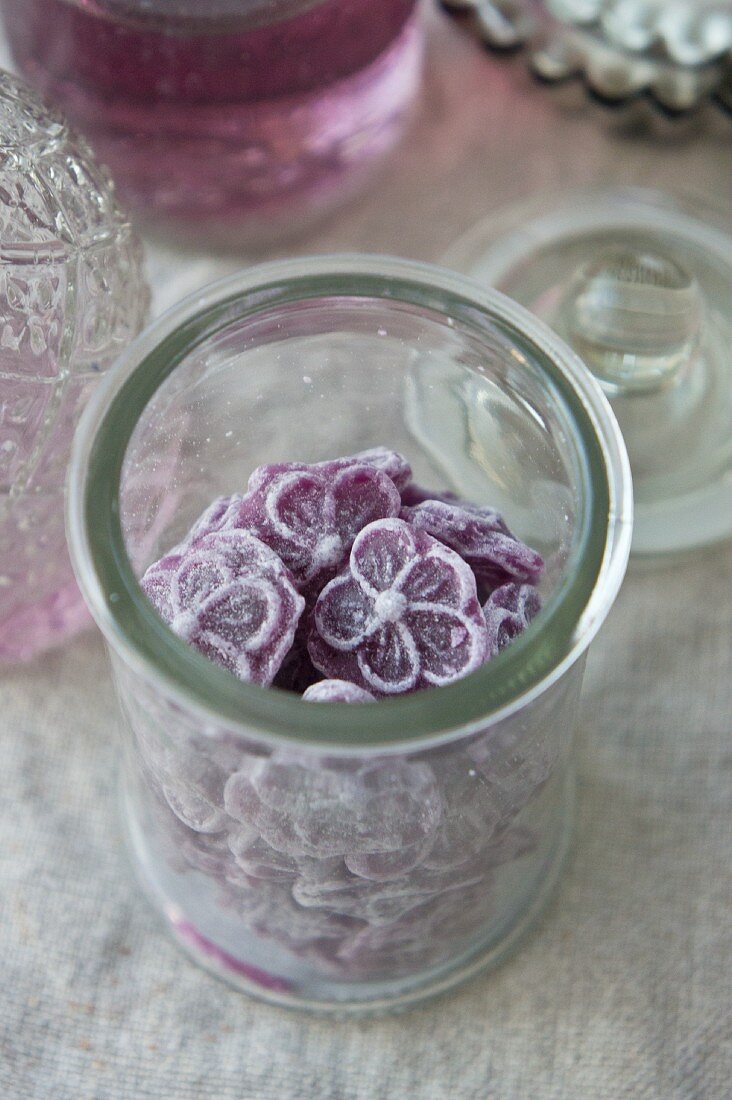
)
(416, 494)
(391, 463)
(480, 536)
(403, 615)
(308, 515)
(231, 598)
(508, 611)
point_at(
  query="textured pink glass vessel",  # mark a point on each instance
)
(236, 113)
(71, 296)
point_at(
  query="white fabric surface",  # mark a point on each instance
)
(624, 989)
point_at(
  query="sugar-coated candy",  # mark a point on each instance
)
(304, 808)
(423, 936)
(268, 908)
(208, 854)
(311, 516)
(194, 804)
(391, 463)
(470, 814)
(385, 901)
(416, 494)
(217, 517)
(508, 611)
(374, 902)
(481, 537)
(260, 860)
(229, 596)
(384, 866)
(337, 691)
(367, 867)
(189, 780)
(403, 615)
(516, 768)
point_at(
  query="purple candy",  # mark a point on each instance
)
(385, 866)
(337, 691)
(375, 903)
(303, 808)
(268, 909)
(194, 802)
(323, 570)
(387, 900)
(404, 615)
(208, 854)
(259, 860)
(424, 935)
(231, 598)
(216, 518)
(311, 516)
(413, 494)
(480, 537)
(508, 611)
(391, 463)
(470, 816)
(515, 769)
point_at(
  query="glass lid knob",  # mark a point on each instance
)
(634, 317)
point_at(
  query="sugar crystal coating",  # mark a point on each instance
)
(375, 902)
(384, 866)
(269, 909)
(481, 537)
(309, 516)
(336, 691)
(260, 860)
(516, 768)
(508, 611)
(471, 814)
(426, 934)
(303, 808)
(231, 598)
(388, 462)
(195, 796)
(413, 494)
(404, 614)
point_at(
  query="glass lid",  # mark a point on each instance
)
(639, 283)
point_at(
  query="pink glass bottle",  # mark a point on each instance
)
(246, 116)
(72, 295)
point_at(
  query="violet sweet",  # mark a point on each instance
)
(508, 611)
(403, 615)
(480, 536)
(231, 598)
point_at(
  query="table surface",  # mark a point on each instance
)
(624, 988)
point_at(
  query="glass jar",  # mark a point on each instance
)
(320, 854)
(72, 294)
(238, 115)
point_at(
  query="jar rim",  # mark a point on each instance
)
(523, 671)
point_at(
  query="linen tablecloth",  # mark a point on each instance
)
(624, 988)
